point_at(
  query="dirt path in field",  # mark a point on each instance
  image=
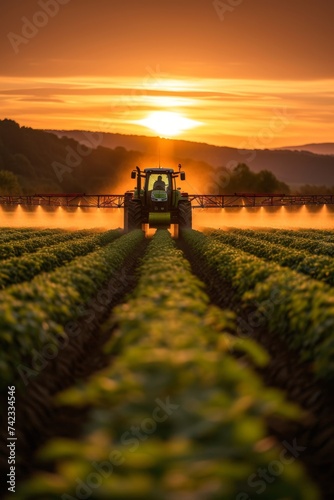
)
(37, 418)
(314, 435)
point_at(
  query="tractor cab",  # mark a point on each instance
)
(156, 200)
(158, 188)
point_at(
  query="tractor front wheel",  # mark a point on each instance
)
(185, 215)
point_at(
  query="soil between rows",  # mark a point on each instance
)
(315, 433)
(37, 418)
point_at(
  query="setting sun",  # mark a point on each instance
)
(167, 123)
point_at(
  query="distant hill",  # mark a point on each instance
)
(42, 162)
(36, 161)
(295, 168)
(326, 148)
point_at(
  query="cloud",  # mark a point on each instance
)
(36, 99)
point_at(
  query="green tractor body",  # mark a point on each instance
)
(156, 200)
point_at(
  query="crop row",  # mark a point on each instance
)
(174, 416)
(303, 244)
(19, 234)
(291, 305)
(318, 267)
(17, 248)
(33, 314)
(24, 268)
(313, 234)
(10, 229)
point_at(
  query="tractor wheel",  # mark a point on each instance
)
(133, 215)
(185, 215)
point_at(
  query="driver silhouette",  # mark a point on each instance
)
(159, 183)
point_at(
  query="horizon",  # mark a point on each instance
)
(109, 67)
(195, 142)
(170, 138)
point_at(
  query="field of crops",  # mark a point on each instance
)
(161, 369)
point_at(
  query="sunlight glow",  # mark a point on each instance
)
(167, 123)
(235, 111)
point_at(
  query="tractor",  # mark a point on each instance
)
(156, 200)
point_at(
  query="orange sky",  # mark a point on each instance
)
(256, 73)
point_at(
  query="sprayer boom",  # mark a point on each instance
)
(236, 200)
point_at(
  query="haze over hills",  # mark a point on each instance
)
(34, 161)
(326, 148)
(293, 167)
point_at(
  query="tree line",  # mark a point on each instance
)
(35, 161)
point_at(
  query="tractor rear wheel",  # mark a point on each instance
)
(133, 216)
(185, 215)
